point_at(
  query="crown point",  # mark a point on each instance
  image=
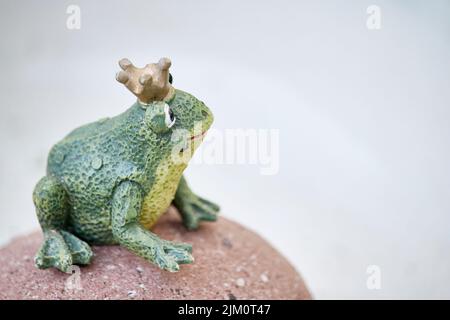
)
(122, 77)
(164, 63)
(125, 63)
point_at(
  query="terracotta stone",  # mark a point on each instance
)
(231, 263)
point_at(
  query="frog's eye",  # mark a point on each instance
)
(170, 78)
(169, 116)
(159, 117)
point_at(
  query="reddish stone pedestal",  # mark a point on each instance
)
(231, 262)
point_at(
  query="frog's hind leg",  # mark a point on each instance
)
(60, 248)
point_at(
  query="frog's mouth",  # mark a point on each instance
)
(198, 136)
(194, 138)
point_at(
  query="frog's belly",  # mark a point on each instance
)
(161, 193)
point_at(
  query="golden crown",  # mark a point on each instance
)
(150, 83)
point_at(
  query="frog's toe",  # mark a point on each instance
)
(178, 245)
(54, 253)
(210, 205)
(204, 212)
(190, 220)
(197, 211)
(168, 255)
(80, 250)
(181, 255)
(165, 261)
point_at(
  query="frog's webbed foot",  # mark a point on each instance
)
(168, 255)
(62, 249)
(54, 252)
(195, 209)
(80, 250)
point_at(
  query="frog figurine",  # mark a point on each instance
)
(109, 181)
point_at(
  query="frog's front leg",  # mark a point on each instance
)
(126, 207)
(193, 208)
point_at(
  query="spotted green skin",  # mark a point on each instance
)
(108, 182)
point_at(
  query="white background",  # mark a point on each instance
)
(363, 118)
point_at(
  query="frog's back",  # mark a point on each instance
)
(90, 162)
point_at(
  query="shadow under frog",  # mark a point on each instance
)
(108, 182)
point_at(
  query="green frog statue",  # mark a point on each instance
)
(109, 181)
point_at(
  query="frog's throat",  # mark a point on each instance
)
(161, 194)
(167, 176)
